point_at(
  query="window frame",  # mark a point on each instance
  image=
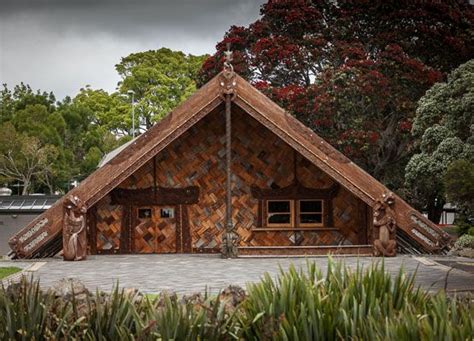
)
(294, 213)
(299, 213)
(290, 213)
(139, 209)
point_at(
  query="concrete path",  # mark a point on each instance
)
(193, 273)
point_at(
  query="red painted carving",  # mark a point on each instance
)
(385, 227)
(74, 229)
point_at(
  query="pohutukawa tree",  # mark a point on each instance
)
(352, 70)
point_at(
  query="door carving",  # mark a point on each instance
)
(154, 230)
(161, 229)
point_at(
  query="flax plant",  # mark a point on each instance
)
(298, 304)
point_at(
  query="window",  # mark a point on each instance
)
(310, 213)
(279, 212)
(167, 212)
(144, 213)
(294, 213)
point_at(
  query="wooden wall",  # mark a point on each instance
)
(260, 159)
(108, 222)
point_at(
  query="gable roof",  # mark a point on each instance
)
(206, 99)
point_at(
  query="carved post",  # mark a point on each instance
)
(385, 226)
(74, 229)
(230, 238)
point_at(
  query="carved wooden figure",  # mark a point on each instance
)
(384, 227)
(74, 229)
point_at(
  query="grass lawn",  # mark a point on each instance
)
(8, 270)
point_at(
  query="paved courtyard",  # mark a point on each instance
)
(193, 273)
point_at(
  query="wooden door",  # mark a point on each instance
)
(154, 230)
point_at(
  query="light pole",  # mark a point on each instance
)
(132, 93)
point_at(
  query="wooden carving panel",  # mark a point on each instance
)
(144, 237)
(154, 235)
(260, 159)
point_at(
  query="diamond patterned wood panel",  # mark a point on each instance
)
(154, 235)
(144, 237)
(260, 159)
(109, 221)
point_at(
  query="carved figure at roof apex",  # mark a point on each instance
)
(227, 77)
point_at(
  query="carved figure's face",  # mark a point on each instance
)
(380, 211)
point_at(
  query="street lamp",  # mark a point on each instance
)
(132, 93)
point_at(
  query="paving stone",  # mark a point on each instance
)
(188, 274)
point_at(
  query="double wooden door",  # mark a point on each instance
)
(160, 229)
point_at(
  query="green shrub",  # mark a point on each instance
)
(363, 304)
(464, 241)
(463, 225)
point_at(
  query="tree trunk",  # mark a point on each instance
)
(435, 209)
(26, 184)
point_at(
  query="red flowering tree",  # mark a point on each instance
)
(353, 70)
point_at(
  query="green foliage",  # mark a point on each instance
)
(459, 184)
(465, 241)
(22, 158)
(297, 305)
(463, 225)
(459, 188)
(161, 79)
(353, 71)
(445, 124)
(76, 133)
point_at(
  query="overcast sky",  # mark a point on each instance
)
(63, 45)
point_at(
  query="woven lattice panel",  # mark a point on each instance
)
(144, 237)
(166, 236)
(260, 159)
(109, 221)
(154, 235)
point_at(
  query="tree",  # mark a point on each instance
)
(22, 158)
(160, 79)
(445, 126)
(459, 187)
(97, 123)
(110, 111)
(352, 70)
(22, 96)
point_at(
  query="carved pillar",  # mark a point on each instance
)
(186, 243)
(228, 82)
(74, 229)
(385, 226)
(92, 229)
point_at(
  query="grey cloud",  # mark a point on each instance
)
(63, 45)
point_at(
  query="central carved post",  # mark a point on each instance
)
(229, 239)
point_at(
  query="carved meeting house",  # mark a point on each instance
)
(229, 172)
